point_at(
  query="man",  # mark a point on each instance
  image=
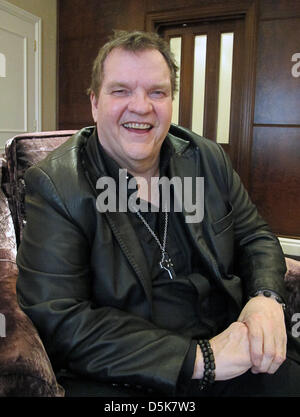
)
(131, 297)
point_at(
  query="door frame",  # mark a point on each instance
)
(37, 21)
(247, 10)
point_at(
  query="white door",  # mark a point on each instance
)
(19, 72)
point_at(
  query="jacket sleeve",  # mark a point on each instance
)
(258, 255)
(55, 290)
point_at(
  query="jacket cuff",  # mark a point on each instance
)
(269, 294)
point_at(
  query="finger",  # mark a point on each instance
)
(269, 353)
(280, 355)
(255, 344)
(274, 366)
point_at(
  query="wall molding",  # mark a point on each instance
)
(18, 12)
(290, 246)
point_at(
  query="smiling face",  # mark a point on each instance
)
(134, 108)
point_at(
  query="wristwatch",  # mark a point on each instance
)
(270, 294)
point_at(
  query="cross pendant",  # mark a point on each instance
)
(166, 264)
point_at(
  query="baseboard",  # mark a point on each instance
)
(290, 246)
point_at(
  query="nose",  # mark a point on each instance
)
(140, 103)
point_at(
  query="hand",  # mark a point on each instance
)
(264, 319)
(231, 353)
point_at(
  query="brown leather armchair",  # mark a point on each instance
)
(25, 369)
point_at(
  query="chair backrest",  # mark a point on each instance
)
(21, 152)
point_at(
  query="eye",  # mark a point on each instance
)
(157, 94)
(120, 92)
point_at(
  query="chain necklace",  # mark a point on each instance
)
(165, 262)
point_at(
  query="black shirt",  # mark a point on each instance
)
(188, 304)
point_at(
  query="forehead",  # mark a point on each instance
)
(148, 64)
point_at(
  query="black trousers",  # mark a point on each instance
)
(284, 383)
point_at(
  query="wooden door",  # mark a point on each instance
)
(210, 58)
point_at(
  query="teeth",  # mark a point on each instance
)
(137, 125)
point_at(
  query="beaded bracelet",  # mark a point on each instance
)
(209, 364)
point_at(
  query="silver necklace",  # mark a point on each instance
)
(165, 262)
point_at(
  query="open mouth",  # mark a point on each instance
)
(137, 127)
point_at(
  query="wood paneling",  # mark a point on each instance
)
(279, 9)
(277, 91)
(83, 28)
(268, 161)
(275, 180)
(275, 175)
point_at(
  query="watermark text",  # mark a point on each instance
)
(296, 67)
(180, 195)
(2, 325)
(296, 327)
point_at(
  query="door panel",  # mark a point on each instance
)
(275, 181)
(278, 85)
(18, 76)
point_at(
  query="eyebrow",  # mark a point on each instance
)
(116, 84)
(120, 84)
(159, 86)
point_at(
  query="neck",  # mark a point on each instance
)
(147, 185)
(146, 168)
(146, 173)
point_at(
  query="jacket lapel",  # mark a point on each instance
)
(186, 163)
(129, 243)
(119, 223)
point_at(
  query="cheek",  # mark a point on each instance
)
(165, 114)
(111, 112)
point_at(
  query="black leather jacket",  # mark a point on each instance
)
(83, 279)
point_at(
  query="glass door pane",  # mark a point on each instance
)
(225, 81)
(175, 46)
(199, 83)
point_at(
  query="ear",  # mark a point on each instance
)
(94, 106)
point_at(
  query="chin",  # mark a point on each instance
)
(139, 156)
(138, 152)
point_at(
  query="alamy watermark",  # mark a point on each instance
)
(296, 67)
(2, 325)
(187, 195)
(296, 327)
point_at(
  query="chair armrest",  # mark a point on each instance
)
(25, 369)
(292, 280)
(293, 269)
